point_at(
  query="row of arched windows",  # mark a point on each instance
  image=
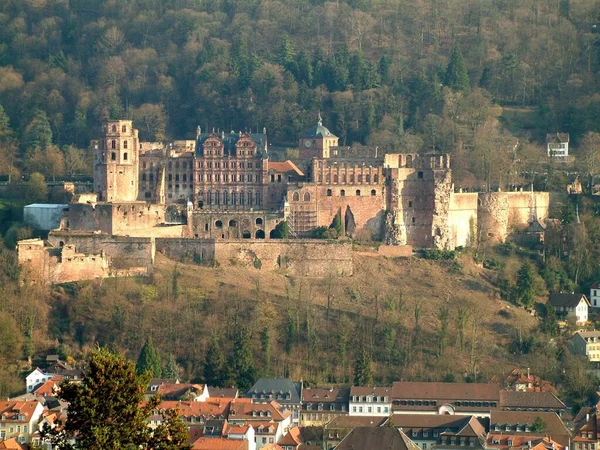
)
(232, 198)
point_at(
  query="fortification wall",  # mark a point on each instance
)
(199, 251)
(125, 252)
(297, 257)
(462, 219)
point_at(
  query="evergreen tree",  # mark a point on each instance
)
(550, 323)
(149, 360)
(38, 132)
(214, 364)
(384, 68)
(336, 224)
(241, 361)
(107, 410)
(305, 69)
(287, 55)
(363, 374)
(457, 77)
(524, 287)
(171, 371)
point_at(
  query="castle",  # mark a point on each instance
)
(224, 187)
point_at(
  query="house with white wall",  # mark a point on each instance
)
(557, 145)
(570, 305)
(370, 401)
(35, 378)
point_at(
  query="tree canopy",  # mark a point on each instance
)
(106, 410)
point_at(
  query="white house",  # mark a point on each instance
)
(19, 419)
(370, 401)
(242, 432)
(557, 145)
(570, 305)
(35, 378)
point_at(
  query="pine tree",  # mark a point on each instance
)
(5, 130)
(287, 55)
(363, 374)
(457, 77)
(214, 364)
(524, 288)
(305, 69)
(107, 410)
(38, 132)
(241, 361)
(149, 360)
(171, 370)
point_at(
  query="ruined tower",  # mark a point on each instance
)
(116, 158)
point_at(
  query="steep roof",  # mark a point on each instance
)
(278, 388)
(11, 444)
(535, 400)
(566, 299)
(205, 409)
(554, 424)
(318, 131)
(375, 391)
(355, 421)
(220, 444)
(557, 138)
(252, 411)
(292, 438)
(445, 391)
(218, 392)
(230, 140)
(367, 438)
(425, 421)
(331, 395)
(285, 167)
(11, 410)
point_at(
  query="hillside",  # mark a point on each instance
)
(390, 306)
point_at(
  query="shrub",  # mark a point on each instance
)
(435, 254)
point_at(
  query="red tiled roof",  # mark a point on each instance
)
(325, 395)
(366, 390)
(445, 391)
(220, 444)
(265, 427)
(244, 410)
(292, 438)
(284, 167)
(11, 444)
(215, 408)
(12, 410)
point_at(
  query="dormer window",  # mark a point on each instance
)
(332, 407)
(308, 406)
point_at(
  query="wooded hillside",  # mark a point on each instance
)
(401, 74)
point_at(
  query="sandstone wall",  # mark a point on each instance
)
(125, 252)
(297, 257)
(200, 251)
(462, 219)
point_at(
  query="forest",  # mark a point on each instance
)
(483, 80)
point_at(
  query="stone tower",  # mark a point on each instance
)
(317, 142)
(116, 163)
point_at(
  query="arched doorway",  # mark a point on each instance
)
(260, 234)
(274, 234)
(246, 235)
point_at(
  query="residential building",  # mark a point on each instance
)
(557, 145)
(35, 378)
(340, 426)
(49, 388)
(174, 390)
(586, 435)
(515, 442)
(219, 392)
(221, 443)
(271, 421)
(471, 435)
(192, 413)
(521, 381)
(532, 401)
(532, 424)
(471, 399)
(595, 295)
(570, 305)
(301, 439)
(283, 390)
(370, 401)
(428, 430)
(19, 420)
(11, 444)
(586, 343)
(319, 406)
(367, 438)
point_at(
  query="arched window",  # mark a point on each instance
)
(219, 224)
(373, 192)
(296, 197)
(376, 178)
(125, 144)
(113, 144)
(259, 221)
(232, 223)
(306, 197)
(329, 193)
(358, 192)
(125, 156)
(260, 234)
(342, 193)
(335, 178)
(225, 194)
(124, 129)
(113, 156)
(114, 128)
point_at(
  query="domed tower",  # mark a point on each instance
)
(317, 141)
(116, 163)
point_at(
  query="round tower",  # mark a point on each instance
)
(116, 163)
(492, 216)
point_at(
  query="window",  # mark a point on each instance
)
(279, 178)
(113, 156)
(219, 224)
(373, 192)
(143, 177)
(329, 193)
(358, 192)
(354, 409)
(113, 144)
(114, 128)
(306, 197)
(413, 220)
(125, 156)
(420, 174)
(410, 204)
(124, 129)
(125, 144)
(342, 193)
